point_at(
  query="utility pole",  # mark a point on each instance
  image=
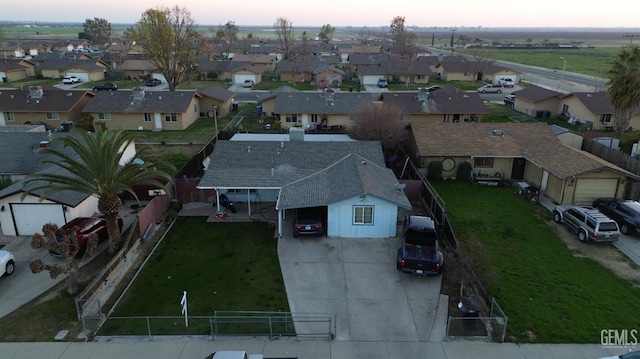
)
(453, 32)
(630, 36)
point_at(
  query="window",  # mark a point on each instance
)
(291, 118)
(195, 108)
(605, 118)
(406, 117)
(483, 162)
(363, 215)
(104, 116)
(171, 117)
(565, 108)
(53, 116)
(10, 116)
(148, 117)
(314, 118)
(446, 118)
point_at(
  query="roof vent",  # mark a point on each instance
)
(36, 92)
(44, 144)
(138, 93)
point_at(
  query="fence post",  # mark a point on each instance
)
(149, 329)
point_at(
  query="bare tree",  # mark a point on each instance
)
(121, 50)
(481, 60)
(170, 41)
(66, 244)
(376, 122)
(403, 40)
(284, 29)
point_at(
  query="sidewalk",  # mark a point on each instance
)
(194, 348)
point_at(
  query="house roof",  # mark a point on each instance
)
(269, 164)
(596, 102)
(20, 151)
(255, 58)
(442, 101)
(351, 176)
(536, 94)
(65, 197)
(321, 103)
(51, 101)
(533, 141)
(9, 65)
(228, 66)
(217, 93)
(153, 102)
(66, 63)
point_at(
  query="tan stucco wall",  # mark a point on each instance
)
(133, 121)
(552, 105)
(15, 75)
(207, 103)
(332, 120)
(579, 111)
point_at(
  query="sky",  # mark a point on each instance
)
(370, 13)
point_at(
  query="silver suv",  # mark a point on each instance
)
(589, 223)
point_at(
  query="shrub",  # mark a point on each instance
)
(434, 171)
(463, 173)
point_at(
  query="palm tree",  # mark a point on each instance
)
(92, 166)
(624, 90)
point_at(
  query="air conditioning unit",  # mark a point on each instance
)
(202, 114)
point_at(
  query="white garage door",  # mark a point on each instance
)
(241, 78)
(370, 79)
(83, 76)
(29, 218)
(589, 189)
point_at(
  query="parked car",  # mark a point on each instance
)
(85, 227)
(625, 212)
(107, 86)
(335, 84)
(589, 223)
(506, 82)
(308, 221)
(433, 88)
(153, 82)
(68, 80)
(629, 355)
(419, 253)
(510, 100)
(491, 88)
(382, 83)
(248, 83)
(7, 263)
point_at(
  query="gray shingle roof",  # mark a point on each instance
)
(123, 101)
(443, 101)
(217, 92)
(267, 164)
(351, 176)
(321, 103)
(53, 101)
(536, 94)
(597, 102)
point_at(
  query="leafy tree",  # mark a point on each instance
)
(98, 31)
(92, 166)
(226, 37)
(326, 33)
(169, 39)
(380, 123)
(624, 87)
(67, 246)
(284, 29)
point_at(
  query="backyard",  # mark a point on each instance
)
(551, 292)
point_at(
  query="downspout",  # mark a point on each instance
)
(279, 223)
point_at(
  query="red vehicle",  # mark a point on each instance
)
(86, 226)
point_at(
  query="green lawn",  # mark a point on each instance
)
(223, 266)
(541, 285)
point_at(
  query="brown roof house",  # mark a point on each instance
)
(42, 105)
(262, 61)
(89, 70)
(534, 100)
(215, 101)
(236, 72)
(14, 70)
(142, 110)
(593, 110)
(444, 105)
(310, 69)
(527, 152)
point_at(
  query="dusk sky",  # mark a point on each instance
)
(371, 13)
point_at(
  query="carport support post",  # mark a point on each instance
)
(280, 223)
(217, 201)
(249, 201)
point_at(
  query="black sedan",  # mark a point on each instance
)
(153, 82)
(625, 212)
(107, 86)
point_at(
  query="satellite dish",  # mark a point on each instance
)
(399, 186)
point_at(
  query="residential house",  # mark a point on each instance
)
(13, 70)
(591, 108)
(236, 72)
(534, 100)
(140, 69)
(444, 105)
(46, 105)
(346, 50)
(528, 152)
(144, 110)
(371, 68)
(348, 181)
(23, 214)
(268, 100)
(310, 68)
(317, 110)
(88, 70)
(458, 69)
(265, 62)
(215, 101)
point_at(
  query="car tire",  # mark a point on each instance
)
(582, 236)
(10, 268)
(499, 91)
(557, 217)
(624, 229)
(484, 91)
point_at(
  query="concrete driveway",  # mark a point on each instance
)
(357, 280)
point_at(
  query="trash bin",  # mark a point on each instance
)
(350, 88)
(234, 107)
(469, 308)
(66, 126)
(258, 110)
